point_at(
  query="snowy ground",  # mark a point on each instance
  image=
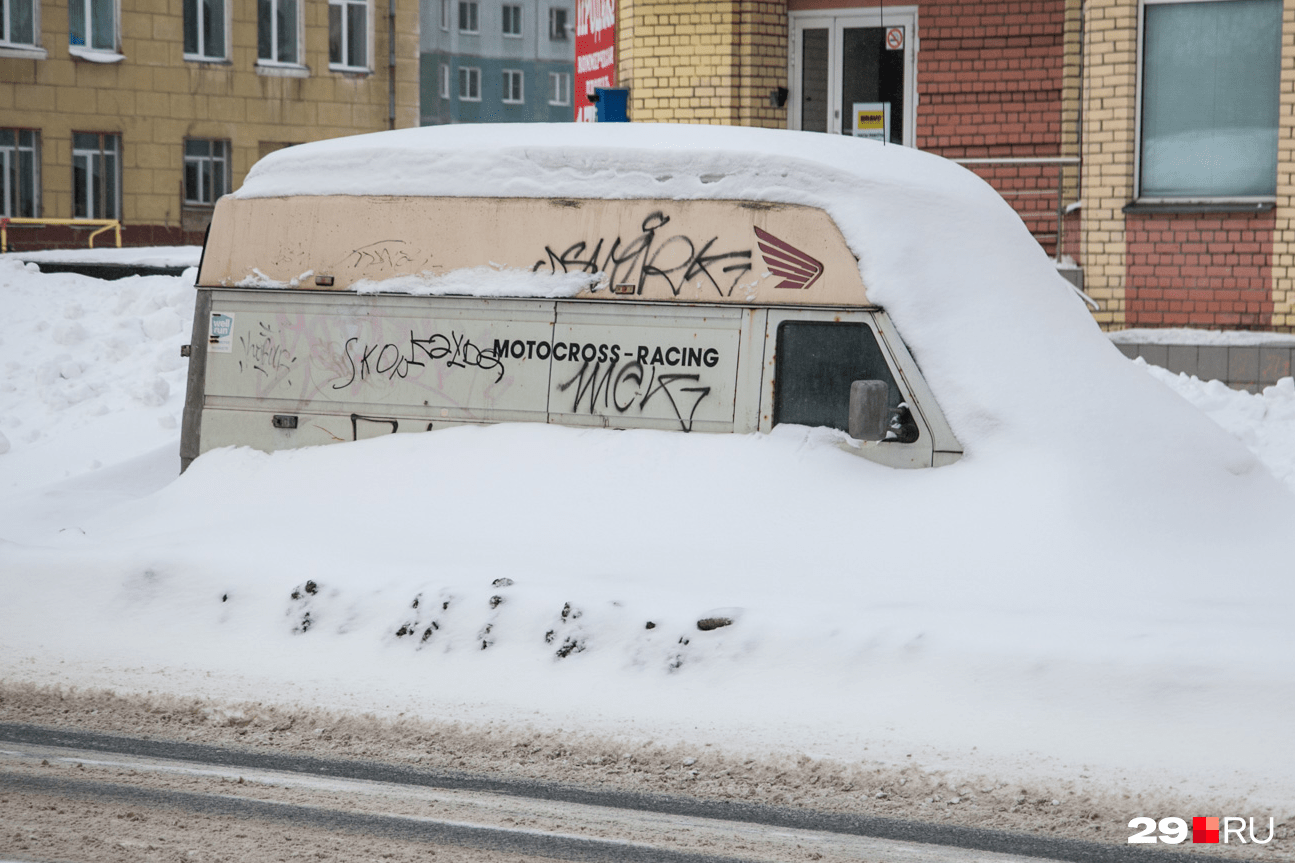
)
(1062, 608)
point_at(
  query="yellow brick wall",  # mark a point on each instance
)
(703, 62)
(1109, 84)
(1284, 235)
(155, 99)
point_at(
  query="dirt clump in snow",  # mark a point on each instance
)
(1063, 808)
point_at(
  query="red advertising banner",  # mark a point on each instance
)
(595, 53)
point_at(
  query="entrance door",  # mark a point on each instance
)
(852, 72)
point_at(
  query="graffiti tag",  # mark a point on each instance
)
(631, 386)
(648, 258)
(392, 361)
(263, 353)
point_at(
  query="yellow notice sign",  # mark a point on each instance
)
(872, 120)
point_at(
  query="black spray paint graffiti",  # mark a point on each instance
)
(389, 253)
(677, 260)
(634, 385)
(263, 353)
(393, 361)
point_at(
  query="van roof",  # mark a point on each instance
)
(623, 161)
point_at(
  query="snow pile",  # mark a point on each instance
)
(491, 281)
(90, 371)
(1265, 423)
(1044, 598)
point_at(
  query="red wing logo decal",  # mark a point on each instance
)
(797, 269)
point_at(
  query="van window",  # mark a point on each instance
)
(816, 363)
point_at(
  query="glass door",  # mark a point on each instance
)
(852, 73)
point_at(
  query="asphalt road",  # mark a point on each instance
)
(69, 795)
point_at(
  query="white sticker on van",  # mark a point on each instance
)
(221, 338)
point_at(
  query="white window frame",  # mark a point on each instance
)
(471, 21)
(469, 83)
(218, 154)
(512, 11)
(91, 196)
(203, 55)
(445, 80)
(514, 86)
(836, 21)
(11, 47)
(447, 14)
(275, 64)
(10, 167)
(560, 88)
(90, 51)
(556, 33)
(1139, 198)
(345, 7)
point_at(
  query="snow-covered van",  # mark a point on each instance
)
(349, 291)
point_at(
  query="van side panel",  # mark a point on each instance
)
(737, 252)
(195, 386)
(645, 367)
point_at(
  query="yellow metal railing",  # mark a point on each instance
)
(107, 225)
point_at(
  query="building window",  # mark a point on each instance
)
(468, 16)
(348, 33)
(445, 80)
(445, 14)
(277, 31)
(206, 171)
(559, 88)
(92, 24)
(204, 29)
(512, 20)
(469, 84)
(1209, 99)
(19, 173)
(557, 23)
(18, 23)
(96, 175)
(512, 87)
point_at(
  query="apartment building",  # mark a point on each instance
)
(147, 112)
(496, 61)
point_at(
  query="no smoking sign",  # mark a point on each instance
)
(894, 38)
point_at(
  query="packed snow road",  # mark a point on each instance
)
(173, 794)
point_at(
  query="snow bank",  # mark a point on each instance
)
(1102, 580)
(90, 371)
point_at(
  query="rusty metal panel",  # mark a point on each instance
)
(656, 250)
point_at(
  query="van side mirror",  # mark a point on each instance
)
(869, 410)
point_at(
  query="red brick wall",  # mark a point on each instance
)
(989, 77)
(990, 84)
(1199, 270)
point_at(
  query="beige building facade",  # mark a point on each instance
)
(147, 112)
